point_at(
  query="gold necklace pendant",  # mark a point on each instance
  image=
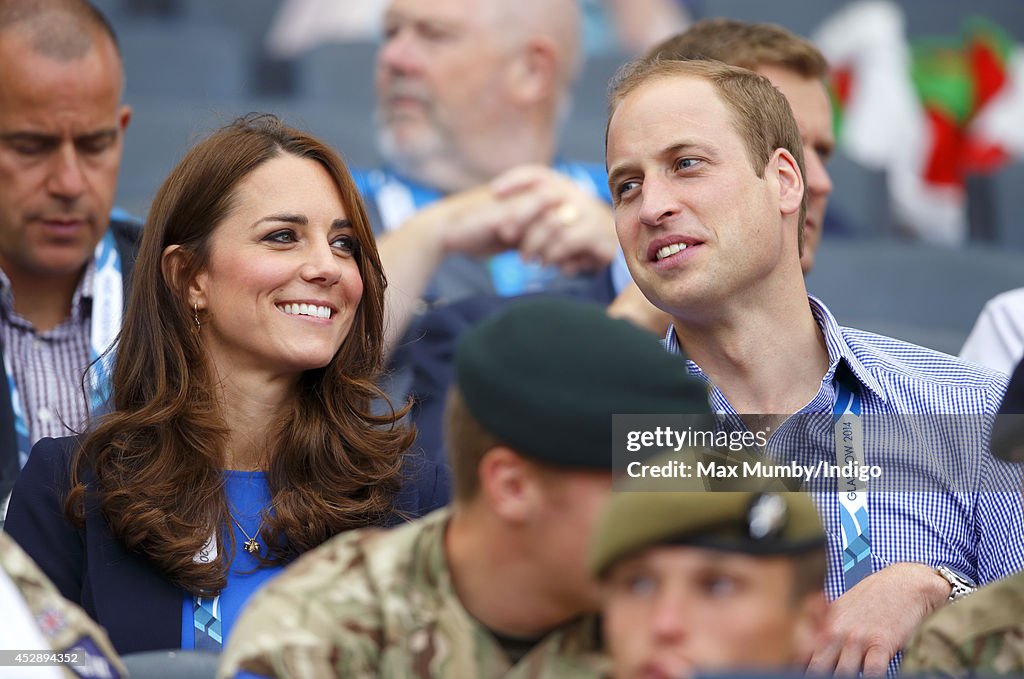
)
(251, 544)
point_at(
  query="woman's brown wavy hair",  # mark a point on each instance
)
(155, 463)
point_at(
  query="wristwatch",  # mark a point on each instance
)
(960, 586)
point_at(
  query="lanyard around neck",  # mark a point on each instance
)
(852, 491)
(107, 309)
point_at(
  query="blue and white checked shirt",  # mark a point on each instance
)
(942, 409)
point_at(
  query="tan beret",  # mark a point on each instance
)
(758, 523)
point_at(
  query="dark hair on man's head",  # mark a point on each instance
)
(744, 44)
(157, 461)
(60, 29)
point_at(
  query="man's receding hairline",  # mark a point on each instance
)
(63, 30)
(656, 77)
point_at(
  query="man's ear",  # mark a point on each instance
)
(791, 181)
(174, 265)
(509, 484)
(124, 116)
(533, 72)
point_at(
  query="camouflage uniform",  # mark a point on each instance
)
(373, 603)
(64, 625)
(983, 633)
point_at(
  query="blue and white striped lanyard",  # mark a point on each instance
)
(107, 309)
(206, 616)
(853, 495)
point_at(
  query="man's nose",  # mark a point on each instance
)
(67, 176)
(400, 52)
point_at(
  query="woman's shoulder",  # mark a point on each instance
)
(36, 520)
(49, 461)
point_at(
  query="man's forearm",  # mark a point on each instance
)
(409, 256)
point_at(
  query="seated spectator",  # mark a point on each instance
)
(997, 338)
(241, 433)
(798, 69)
(473, 199)
(37, 618)
(496, 585)
(701, 138)
(64, 260)
(710, 581)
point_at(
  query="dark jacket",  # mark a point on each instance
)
(127, 235)
(122, 590)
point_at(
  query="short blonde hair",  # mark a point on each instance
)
(761, 114)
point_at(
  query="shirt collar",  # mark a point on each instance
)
(81, 301)
(838, 350)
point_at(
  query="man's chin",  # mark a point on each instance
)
(57, 267)
(409, 144)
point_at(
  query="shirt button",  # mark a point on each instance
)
(44, 414)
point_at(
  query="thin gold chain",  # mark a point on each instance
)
(252, 545)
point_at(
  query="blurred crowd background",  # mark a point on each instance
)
(929, 173)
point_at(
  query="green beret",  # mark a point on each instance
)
(546, 375)
(763, 524)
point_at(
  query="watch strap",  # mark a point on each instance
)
(960, 586)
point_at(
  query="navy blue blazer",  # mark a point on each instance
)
(127, 235)
(119, 589)
(429, 349)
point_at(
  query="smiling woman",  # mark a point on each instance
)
(241, 433)
(282, 285)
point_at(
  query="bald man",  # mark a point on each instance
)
(470, 97)
(63, 260)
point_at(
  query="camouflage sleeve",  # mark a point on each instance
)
(319, 618)
(931, 653)
(981, 634)
(65, 626)
(997, 653)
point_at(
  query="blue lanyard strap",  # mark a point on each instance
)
(207, 623)
(107, 313)
(107, 309)
(853, 497)
(206, 615)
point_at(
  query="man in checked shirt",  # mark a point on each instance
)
(63, 259)
(707, 175)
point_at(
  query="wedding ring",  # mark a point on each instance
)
(567, 213)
